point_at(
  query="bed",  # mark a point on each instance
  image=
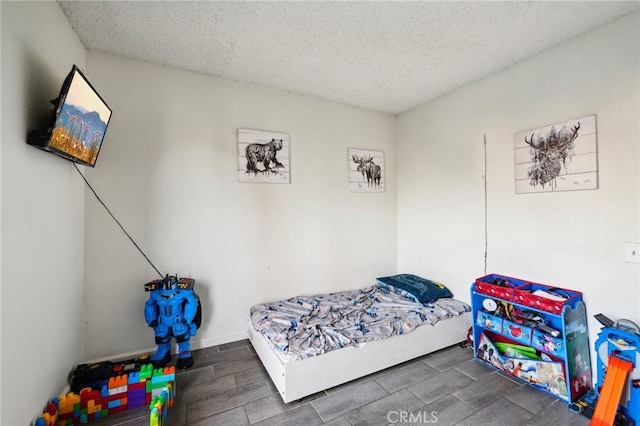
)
(311, 343)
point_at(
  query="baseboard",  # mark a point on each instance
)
(195, 344)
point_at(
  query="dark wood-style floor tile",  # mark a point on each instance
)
(229, 386)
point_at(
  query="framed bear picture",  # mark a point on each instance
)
(263, 156)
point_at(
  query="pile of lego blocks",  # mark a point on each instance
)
(154, 388)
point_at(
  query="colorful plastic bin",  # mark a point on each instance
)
(486, 286)
(489, 322)
(517, 332)
(524, 296)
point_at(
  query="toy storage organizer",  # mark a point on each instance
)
(535, 332)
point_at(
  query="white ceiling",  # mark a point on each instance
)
(385, 56)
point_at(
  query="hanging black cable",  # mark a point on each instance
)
(114, 218)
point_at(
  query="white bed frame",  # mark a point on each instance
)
(297, 379)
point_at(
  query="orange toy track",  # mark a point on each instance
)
(614, 381)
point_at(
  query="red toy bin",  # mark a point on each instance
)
(524, 296)
(487, 285)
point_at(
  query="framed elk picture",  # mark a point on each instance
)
(366, 170)
(558, 157)
(263, 156)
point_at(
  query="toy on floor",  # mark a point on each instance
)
(159, 407)
(173, 311)
(97, 374)
(144, 386)
(618, 385)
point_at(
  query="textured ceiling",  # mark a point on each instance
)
(384, 56)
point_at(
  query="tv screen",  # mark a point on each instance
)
(79, 122)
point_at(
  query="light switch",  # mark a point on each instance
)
(632, 252)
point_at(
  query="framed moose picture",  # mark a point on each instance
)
(558, 157)
(366, 170)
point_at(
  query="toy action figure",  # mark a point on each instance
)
(173, 310)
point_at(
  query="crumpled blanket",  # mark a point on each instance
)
(306, 326)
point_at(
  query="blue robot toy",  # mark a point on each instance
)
(173, 311)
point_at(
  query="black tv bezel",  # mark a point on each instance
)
(42, 138)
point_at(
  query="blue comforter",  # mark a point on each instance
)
(305, 326)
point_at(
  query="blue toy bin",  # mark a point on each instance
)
(547, 344)
(517, 332)
(489, 322)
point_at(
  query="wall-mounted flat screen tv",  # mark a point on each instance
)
(78, 124)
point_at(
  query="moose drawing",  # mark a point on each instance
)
(550, 153)
(370, 170)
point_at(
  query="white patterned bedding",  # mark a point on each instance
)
(306, 326)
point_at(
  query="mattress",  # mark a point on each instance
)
(306, 326)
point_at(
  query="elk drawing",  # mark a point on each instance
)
(550, 153)
(370, 170)
(264, 153)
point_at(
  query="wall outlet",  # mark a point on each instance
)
(632, 252)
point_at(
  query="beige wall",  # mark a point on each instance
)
(42, 259)
(568, 239)
(168, 171)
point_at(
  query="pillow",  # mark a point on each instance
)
(420, 289)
